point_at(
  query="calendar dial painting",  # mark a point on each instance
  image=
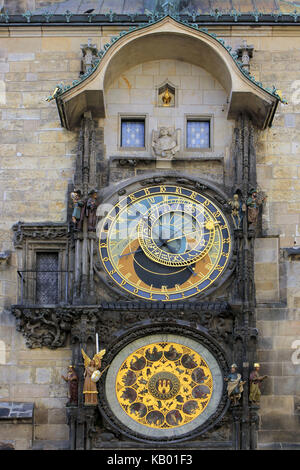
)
(165, 243)
(164, 385)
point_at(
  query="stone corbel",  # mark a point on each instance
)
(244, 332)
(293, 253)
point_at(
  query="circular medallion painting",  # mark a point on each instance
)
(164, 386)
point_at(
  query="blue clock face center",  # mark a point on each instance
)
(167, 237)
(177, 246)
(176, 234)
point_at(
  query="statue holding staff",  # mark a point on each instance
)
(91, 210)
(254, 202)
(91, 376)
(255, 384)
(72, 380)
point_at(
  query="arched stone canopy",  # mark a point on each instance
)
(167, 39)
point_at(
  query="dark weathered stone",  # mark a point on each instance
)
(15, 410)
(6, 446)
(4, 412)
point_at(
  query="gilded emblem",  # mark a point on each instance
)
(164, 385)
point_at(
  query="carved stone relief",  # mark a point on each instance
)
(166, 142)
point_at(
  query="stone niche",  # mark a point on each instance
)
(199, 97)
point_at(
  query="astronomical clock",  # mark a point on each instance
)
(165, 243)
(156, 258)
(165, 246)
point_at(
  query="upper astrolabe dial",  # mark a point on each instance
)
(176, 233)
(164, 243)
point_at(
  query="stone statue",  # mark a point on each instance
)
(166, 142)
(89, 56)
(255, 384)
(72, 380)
(91, 376)
(238, 210)
(91, 209)
(235, 385)
(77, 209)
(254, 201)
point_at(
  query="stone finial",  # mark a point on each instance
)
(89, 55)
(245, 52)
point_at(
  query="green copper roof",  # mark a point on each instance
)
(61, 88)
(141, 6)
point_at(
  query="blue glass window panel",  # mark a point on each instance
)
(133, 133)
(198, 134)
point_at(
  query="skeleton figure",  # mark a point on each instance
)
(238, 210)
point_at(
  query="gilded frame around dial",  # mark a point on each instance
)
(154, 275)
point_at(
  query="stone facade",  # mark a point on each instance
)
(38, 163)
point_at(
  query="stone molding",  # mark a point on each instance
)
(50, 326)
(40, 231)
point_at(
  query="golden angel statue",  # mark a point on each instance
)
(91, 377)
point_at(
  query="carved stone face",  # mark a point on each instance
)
(163, 131)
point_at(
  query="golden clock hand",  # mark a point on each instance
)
(184, 235)
(131, 252)
(190, 233)
(139, 249)
(174, 252)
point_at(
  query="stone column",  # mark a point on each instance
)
(85, 179)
